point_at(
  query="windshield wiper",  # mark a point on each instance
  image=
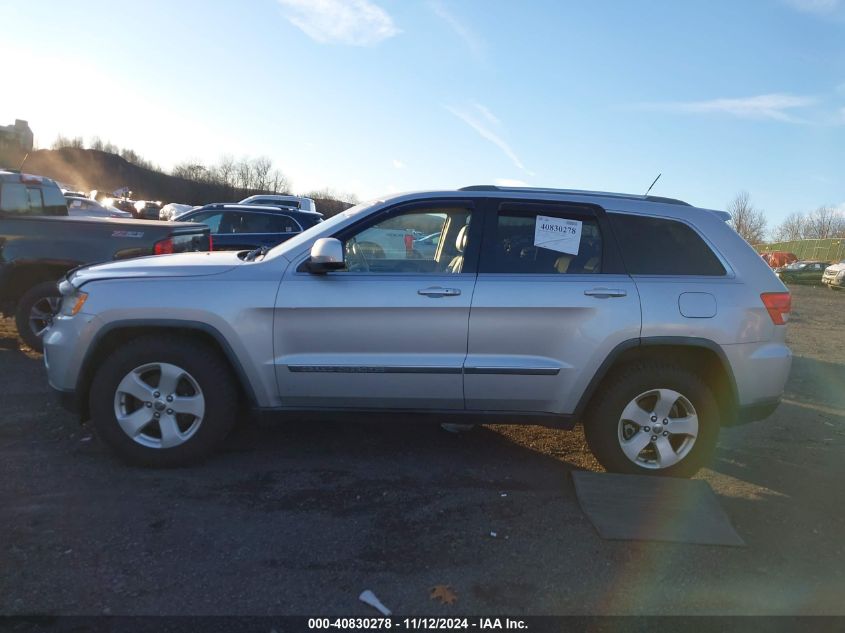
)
(261, 251)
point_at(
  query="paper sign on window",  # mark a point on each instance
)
(557, 234)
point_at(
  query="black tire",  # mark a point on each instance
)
(38, 298)
(204, 364)
(602, 423)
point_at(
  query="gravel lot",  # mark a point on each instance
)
(300, 518)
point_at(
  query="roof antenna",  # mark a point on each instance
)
(23, 161)
(652, 185)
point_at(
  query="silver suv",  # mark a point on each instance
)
(646, 319)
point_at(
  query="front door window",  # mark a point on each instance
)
(431, 241)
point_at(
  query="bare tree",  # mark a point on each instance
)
(60, 142)
(278, 182)
(747, 220)
(260, 169)
(792, 228)
(823, 223)
(192, 170)
(226, 171)
(96, 143)
(243, 174)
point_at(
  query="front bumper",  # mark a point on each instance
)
(65, 344)
(833, 281)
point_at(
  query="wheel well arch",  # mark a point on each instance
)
(700, 356)
(22, 277)
(120, 333)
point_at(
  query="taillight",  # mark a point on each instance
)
(163, 247)
(778, 304)
(210, 243)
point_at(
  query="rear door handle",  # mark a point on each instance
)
(604, 293)
(439, 292)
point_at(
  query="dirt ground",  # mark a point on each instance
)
(300, 518)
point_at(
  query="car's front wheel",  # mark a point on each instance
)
(163, 401)
(653, 419)
(35, 312)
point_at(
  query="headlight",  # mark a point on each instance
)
(72, 303)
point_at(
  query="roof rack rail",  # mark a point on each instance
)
(578, 192)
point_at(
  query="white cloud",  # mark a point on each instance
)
(486, 133)
(469, 37)
(398, 164)
(510, 182)
(353, 22)
(771, 106)
(491, 118)
(815, 6)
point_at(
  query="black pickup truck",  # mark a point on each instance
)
(39, 243)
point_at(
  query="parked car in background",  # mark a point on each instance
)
(68, 193)
(39, 243)
(777, 259)
(237, 227)
(297, 202)
(147, 210)
(85, 207)
(834, 275)
(802, 272)
(124, 204)
(650, 321)
(173, 210)
(427, 245)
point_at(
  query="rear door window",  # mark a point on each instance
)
(36, 201)
(14, 198)
(658, 246)
(542, 240)
(267, 223)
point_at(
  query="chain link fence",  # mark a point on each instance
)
(829, 250)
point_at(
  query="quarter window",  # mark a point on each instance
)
(545, 241)
(211, 220)
(656, 246)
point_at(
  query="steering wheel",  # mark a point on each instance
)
(357, 260)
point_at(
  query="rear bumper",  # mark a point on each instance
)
(757, 411)
(760, 371)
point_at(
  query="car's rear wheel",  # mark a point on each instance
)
(163, 401)
(653, 419)
(35, 311)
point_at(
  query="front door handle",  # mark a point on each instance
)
(439, 292)
(604, 293)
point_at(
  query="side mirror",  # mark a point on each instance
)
(326, 255)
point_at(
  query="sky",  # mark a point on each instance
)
(378, 96)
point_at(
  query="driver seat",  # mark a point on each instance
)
(457, 263)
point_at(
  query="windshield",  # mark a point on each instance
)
(323, 227)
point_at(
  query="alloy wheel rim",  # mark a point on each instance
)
(658, 429)
(41, 314)
(159, 405)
